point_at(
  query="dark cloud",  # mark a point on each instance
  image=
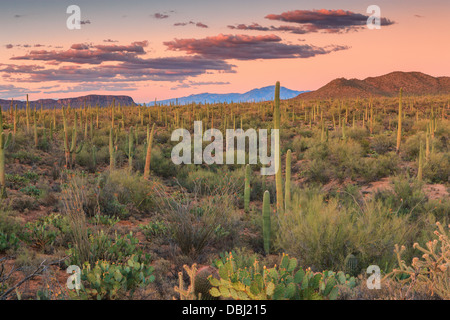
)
(18, 16)
(129, 65)
(82, 53)
(9, 46)
(85, 21)
(110, 40)
(183, 24)
(244, 47)
(160, 16)
(258, 27)
(325, 20)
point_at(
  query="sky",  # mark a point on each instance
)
(165, 49)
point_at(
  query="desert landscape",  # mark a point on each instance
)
(106, 197)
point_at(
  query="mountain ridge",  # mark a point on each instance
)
(387, 85)
(76, 102)
(254, 95)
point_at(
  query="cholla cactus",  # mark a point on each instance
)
(432, 270)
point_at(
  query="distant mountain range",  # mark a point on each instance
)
(255, 95)
(413, 83)
(93, 100)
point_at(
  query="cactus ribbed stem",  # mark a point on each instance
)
(148, 157)
(287, 195)
(266, 221)
(276, 125)
(399, 128)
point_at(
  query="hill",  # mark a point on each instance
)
(413, 83)
(93, 100)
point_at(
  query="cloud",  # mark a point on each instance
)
(109, 63)
(160, 16)
(83, 53)
(18, 16)
(85, 21)
(8, 91)
(183, 24)
(9, 46)
(325, 20)
(110, 40)
(258, 27)
(95, 87)
(244, 47)
(193, 84)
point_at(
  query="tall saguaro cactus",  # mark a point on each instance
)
(399, 128)
(287, 194)
(4, 143)
(71, 150)
(131, 150)
(266, 221)
(148, 157)
(112, 150)
(276, 125)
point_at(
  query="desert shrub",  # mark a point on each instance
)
(122, 192)
(8, 241)
(193, 221)
(411, 147)
(203, 180)
(31, 190)
(375, 168)
(437, 168)
(154, 229)
(382, 143)
(22, 202)
(322, 232)
(161, 163)
(26, 157)
(405, 197)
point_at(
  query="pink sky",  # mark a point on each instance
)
(172, 49)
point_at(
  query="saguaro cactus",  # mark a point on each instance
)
(71, 150)
(399, 128)
(266, 221)
(276, 125)
(112, 150)
(287, 194)
(420, 170)
(131, 150)
(149, 154)
(4, 143)
(247, 188)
